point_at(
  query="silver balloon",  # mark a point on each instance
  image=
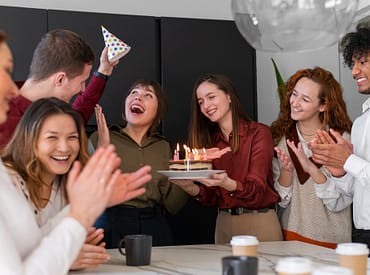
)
(293, 25)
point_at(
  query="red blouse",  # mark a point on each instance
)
(250, 167)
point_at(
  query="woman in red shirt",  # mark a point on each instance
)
(244, 193)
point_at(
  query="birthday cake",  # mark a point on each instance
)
(188, 165)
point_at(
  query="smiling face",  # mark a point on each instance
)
(361, 73)
(8, 89)
(58, 145)
(141, 106)
(213, 102)
(304, 100)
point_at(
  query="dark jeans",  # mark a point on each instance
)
(120, 221)
(361, 236)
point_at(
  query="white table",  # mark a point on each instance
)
(206, 259)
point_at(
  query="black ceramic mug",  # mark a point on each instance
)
(239, 265)
(138, 249)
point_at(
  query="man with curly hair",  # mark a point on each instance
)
(353, 158)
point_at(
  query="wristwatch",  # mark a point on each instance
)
(99, 74)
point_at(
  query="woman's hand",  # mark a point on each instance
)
(94, 236)
(130, 185)
(307, 165)
(219, 179)
(215, 152)
(103, 131)
(187, 185)
(284, 159)
(286, 168)
(90, 256)
(89, 189)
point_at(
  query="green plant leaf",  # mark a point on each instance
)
(279, 80)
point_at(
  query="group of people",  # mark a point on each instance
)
(295, 180)
(51, 193)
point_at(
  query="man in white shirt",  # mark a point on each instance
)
(353, 158)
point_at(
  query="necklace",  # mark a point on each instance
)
(305, 134)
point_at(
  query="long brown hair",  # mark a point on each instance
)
(331, 94)
(201, 129)
(21, 152)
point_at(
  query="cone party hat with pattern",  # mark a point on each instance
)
(116, 47)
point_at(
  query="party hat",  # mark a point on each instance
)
(116, 47)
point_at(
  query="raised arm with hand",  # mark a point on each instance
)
(106, 67)
(103, 131)
(307, 165)
(286, 168)
(330, 151)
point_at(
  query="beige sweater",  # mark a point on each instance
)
(305, 216)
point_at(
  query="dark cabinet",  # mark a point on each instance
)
(173, 51)
(25, 27)
(190, 47)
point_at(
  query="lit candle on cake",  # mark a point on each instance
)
(204, 154)
(186, 152)
(176, 154)
(196, 154)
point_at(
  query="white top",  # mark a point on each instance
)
(56, 203)
(356, 183)
(27, 249)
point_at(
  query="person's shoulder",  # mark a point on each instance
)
(158, 136)
(254, 125)
(18, 105)
(115, 129)
(14, 175)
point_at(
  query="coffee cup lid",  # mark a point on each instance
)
(352, 249)
(294, 265)
(244, 240)
(332, 270)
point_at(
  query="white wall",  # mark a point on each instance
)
(220, 9)
(209, 9)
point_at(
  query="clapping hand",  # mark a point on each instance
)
(330, 150)
(284, 159)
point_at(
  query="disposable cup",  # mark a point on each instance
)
(332, 270)
(353, 256)
(244, 245)
(294, 266)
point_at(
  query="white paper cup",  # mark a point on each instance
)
(244, 245)
(332, 270)
(294, 266)
(353, 256)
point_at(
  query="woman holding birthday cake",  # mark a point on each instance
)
(244, 193)
(138, 143)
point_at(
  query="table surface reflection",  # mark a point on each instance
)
(206, 259)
